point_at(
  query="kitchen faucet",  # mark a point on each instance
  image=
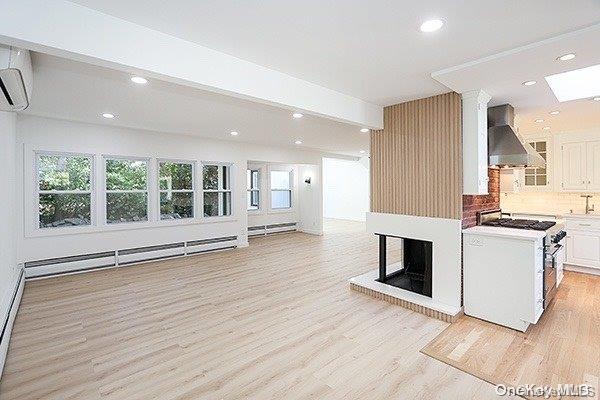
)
(588, 209)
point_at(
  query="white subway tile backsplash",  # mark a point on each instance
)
(554, 203)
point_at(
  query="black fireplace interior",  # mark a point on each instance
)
(417, 261)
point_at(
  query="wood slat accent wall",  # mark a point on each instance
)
(416, 159)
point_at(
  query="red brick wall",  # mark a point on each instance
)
(472, 204)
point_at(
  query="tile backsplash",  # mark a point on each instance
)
(552, 203)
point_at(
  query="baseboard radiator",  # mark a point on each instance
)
(122, 257)
(262, 230)
(10, 305)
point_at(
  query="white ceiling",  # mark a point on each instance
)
(77, 91)
(502, 75)
(372, 49)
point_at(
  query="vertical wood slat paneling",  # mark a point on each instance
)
(416, 160)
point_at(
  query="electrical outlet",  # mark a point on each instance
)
(475, 241)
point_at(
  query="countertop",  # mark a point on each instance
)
(579, 216)
(497, 231)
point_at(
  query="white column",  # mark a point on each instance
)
(475, 142)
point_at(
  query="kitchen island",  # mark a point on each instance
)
(504, 275)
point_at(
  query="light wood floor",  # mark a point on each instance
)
(563, 347)
(276, 320)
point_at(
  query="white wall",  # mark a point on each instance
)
(8, 264)
(35, 133)
(345, 189)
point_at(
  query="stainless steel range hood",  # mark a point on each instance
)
(504, 145)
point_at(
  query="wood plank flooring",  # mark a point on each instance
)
(562, 348)
(276, 320)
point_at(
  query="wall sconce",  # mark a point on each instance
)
(307, 181)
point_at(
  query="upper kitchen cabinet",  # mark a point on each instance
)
(539, 178)
(580, 166)
(593, 165)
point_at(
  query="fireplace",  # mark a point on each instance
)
(415, 274)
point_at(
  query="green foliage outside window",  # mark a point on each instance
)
(60, 178)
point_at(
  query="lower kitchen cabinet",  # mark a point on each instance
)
(583, 242)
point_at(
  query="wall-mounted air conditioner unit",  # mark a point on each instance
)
(16, 79)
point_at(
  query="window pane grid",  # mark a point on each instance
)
(126, 188)
(216, 188)
(64, 189)
(537, 176)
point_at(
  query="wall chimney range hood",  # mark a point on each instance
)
(504, 146)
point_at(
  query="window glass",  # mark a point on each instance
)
(176, 190)
(280, 180)
(216, 190)
(253, 189)
(281, 189)
(126, 174)
(126, 190)
(281, 199)
(64, 190)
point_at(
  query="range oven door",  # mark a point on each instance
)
(550, 273)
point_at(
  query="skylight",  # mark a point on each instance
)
(578, 84)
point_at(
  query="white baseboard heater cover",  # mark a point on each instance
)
(273, 228)
(122, 257)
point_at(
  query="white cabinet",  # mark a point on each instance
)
(593, 165)
(583, 241)
(574, 172)
(581, 166)
(510, 180)
(583, 249)
(475, 142)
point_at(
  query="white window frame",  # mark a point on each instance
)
(37, 191)
(292, 176)
(105, 191)
(258, 189)
(219, 190)
(193, 191)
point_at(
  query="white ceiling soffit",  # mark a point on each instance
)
(61, 84)
(68, 30)
(502, 76)
(369, 49)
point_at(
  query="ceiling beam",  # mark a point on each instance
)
(68, 30)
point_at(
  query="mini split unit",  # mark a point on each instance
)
(15, 78)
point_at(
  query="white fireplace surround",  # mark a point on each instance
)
(446, 235)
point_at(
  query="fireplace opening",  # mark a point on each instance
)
(415, 270)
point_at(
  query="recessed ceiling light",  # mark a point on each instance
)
(364, 130)
(362, 152)
(566, 57)
(298, 141)
(546, 128)
(529, 83)
(297, 115)
(139, 80)
(233, 133)
(539, 120)
(581, 83)
(555, 112)
(596, 98)
(108, 115)
(431, 25)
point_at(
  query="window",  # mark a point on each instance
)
(253, 189)
(216, 184)
(176, 190)
(64, 186)
(126, 190)
(537, 176)
(281, 189)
